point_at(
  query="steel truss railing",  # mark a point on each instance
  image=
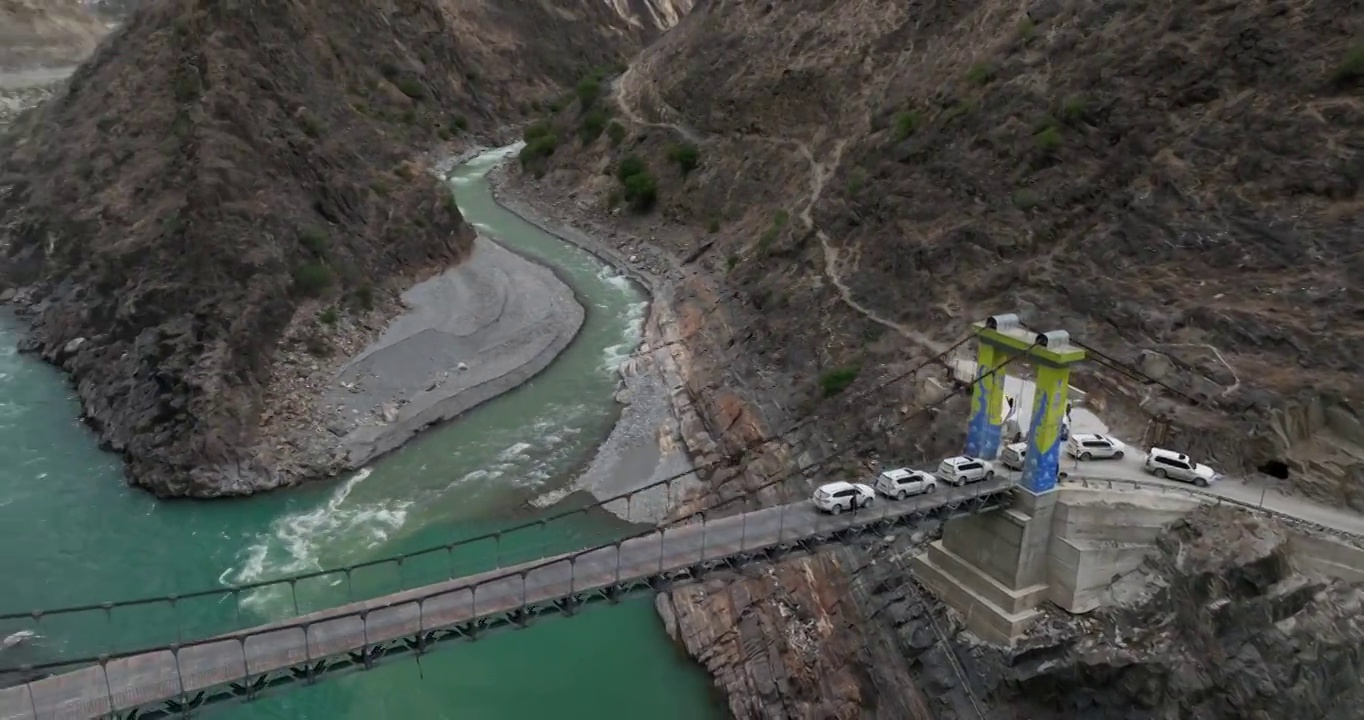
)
(182, 677)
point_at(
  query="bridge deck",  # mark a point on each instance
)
(135, 681)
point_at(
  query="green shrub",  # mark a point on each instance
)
(379, 186)
(616, 132)
(686, 155)
(363, 297)
(460, 123)
(629, 165)
(535, 151)
(1048, 139)
(314, 240)
(537, 130)
(837, 380)
(1026, 28)
(312, 279)
(589, 89)
(594, 122)
(1025, 199)
(905, 125)
(732, 262)
(312, 125)
(411, 88)
(641, 191)
(713, 226)
(329, 316)
(981, 73)
(1074, 108)
(1351, 68)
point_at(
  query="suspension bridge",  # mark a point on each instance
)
(178, 678)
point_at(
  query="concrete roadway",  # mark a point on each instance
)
(1259, 492)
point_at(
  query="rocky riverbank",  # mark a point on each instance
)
(660, 431)
(459, 339)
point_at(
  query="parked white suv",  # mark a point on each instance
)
(835, 497)
(1014, 455)
(903, 482)
(1088, 446)
(964, 469)
(1178, 466)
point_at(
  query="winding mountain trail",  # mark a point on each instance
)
(1236, 377)
(633, 84)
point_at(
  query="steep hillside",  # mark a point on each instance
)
(219, 173)
(1182, 178)
(47, 32)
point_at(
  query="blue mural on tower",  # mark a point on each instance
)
(982, 433)
(1043, 461)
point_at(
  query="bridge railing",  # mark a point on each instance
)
(111, 627)
(409, 621)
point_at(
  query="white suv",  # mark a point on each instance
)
(1178, 466)
(1014, 455)
(964, 469)
(1087, 446)
(835, 497)
(903, 482)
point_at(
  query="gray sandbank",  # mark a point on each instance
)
(470, 334)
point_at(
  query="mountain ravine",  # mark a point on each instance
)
(217, 177)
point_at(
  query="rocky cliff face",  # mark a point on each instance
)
(871, 175)
(47, 32)
(216, 172)
(1216, 624)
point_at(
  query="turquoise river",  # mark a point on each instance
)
(75, 534)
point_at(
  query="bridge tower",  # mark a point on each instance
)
(1050, 354)
(993, 567)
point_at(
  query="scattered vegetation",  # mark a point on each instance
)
(594, 122)
(981, 73)
(616, 132)
(460, 123)
(639, 187)
(837, 380)
(312, 124)
(329, 316)
(773, 231)
(629, 165)
(1048, 139)
(686, 155)
(411, 88)
(1074, 108)
(1351, 68)
(1026, 28)
(857, 179)
(589, 90)
(362, 298)
(540, 144)
(312, 279)
(1025, 199)
(713, 226)
(905, 125)
(314, 240)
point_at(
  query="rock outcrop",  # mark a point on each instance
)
(44, 33)
(1215, 624)
(218, 174)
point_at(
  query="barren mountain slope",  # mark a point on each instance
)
(1172, 176)
(47, 32)
(215, 167)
